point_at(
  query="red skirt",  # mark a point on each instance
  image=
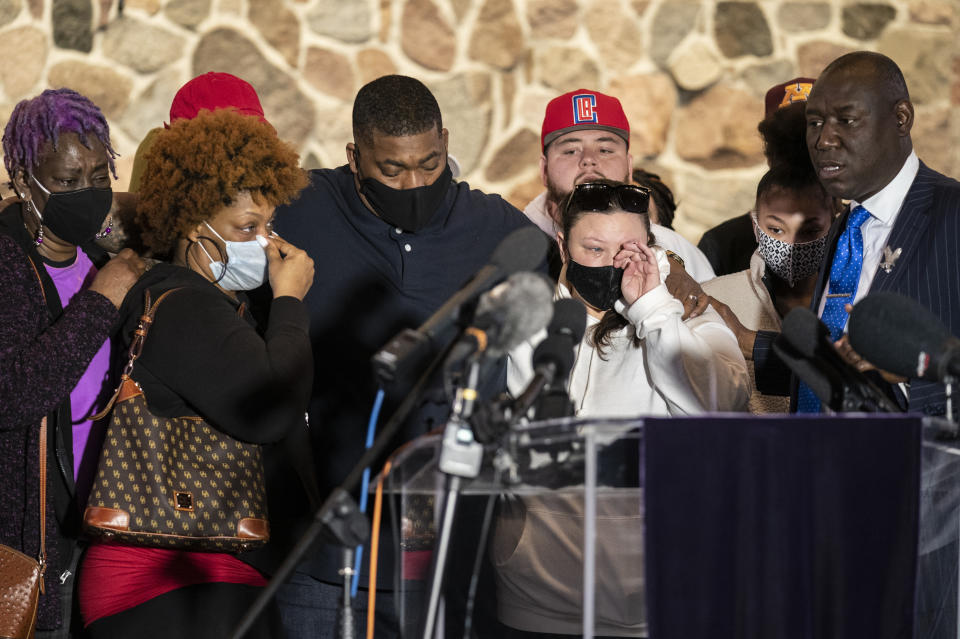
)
(115, 578)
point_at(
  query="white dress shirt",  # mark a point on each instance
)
(884, 207)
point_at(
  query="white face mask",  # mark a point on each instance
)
(246, 267)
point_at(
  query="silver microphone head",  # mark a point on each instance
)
(514, 311)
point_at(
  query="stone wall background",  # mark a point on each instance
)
(691, 73)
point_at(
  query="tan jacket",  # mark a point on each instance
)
(749, 299)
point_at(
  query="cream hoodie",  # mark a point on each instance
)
(681, 368)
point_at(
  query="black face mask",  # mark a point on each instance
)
(76, 216)
(409, 209)
(599, 286)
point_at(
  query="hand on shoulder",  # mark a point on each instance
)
(118, 275)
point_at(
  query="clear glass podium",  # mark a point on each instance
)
(938, 565)
(551, 536)
(548, 502)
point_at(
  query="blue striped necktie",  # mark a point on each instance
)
(844, 278)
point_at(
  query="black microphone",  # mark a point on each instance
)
(552, 362)
(896, 334)
(506, 315)
(406, 354)
(804, 345)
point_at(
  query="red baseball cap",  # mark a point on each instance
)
(215, 90)
(796, 90)
(583, 109)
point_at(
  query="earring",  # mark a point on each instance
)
(106, 231)
(38, 238)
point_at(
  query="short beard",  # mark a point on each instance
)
(554, 194)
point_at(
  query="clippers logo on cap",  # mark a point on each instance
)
(584, 108)
(797, 92)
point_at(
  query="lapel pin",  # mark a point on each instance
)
(889, 258)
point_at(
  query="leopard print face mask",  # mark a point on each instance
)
(791, 262)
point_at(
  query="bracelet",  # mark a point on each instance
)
(676, 257)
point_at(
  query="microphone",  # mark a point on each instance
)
(805, 347)
(896, 334)
(406, 354)
(552, 363)
(506, 315)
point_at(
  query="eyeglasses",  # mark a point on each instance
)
(597, 196)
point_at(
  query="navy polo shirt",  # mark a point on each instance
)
(371, 281)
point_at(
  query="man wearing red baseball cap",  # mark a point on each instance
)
(586, 136)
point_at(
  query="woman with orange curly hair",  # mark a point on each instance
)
(207, 199)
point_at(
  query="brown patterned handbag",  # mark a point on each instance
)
(21, 577)
(173, 482)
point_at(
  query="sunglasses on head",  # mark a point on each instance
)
(597, 196)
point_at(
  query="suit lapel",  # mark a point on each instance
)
(908, 230)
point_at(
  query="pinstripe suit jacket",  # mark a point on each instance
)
(928, 269)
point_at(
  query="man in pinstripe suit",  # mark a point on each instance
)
(859, 118)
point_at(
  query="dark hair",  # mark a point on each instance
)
(883, 71)
(788, 178)
(784, 138)
(785, 145)
(612, 321)
(198, 166)
(394, 105)
(45, 118)
(661, 195)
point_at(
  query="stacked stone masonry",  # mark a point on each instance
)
(691, 73)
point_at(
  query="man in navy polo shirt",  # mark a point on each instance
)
(392, 237)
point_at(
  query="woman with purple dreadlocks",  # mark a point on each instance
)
(57, 309)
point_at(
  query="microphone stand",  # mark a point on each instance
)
(346, 626)
(339, 514)
(948, 381)
(460, 457)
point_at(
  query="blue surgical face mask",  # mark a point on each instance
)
(246, 267)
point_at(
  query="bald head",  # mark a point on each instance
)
(873, 70)
(858, 119)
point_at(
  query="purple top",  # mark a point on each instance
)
(69, 281)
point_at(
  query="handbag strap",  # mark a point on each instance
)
(136, 346)
(42, 554)
(42, 557)
(39, 279)
(146, 321)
